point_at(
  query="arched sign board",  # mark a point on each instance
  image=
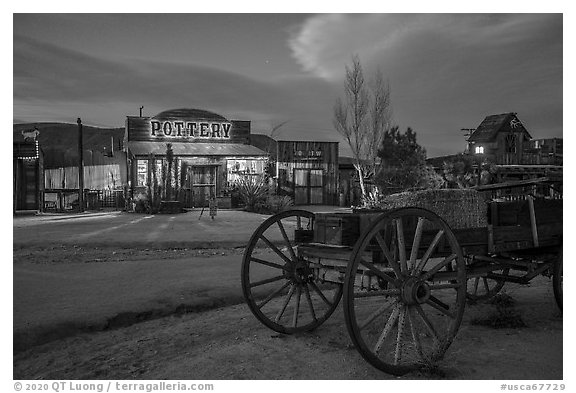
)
(179, 126)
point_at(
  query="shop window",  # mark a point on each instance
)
(237, 168)
(142, 179)
(479, 150)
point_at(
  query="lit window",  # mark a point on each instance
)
(479, 150)
(142, 173)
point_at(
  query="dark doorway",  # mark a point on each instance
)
(202, 182)
(26, 185)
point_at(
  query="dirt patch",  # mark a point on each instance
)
(503, 315)
(63, 254)
(229, 343)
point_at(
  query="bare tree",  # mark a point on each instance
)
(362, 119)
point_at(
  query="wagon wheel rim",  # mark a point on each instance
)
(280, 286)
(484, 287)
(557, 278)
(407, 318)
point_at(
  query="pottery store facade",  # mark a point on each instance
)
(190, 155)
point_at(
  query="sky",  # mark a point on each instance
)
(446, 71)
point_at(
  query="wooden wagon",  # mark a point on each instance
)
(404, 273)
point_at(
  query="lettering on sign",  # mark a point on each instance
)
(307, 155)
(190, 129)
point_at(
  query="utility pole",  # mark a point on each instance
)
(80, 167)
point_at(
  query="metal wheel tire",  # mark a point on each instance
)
(483, 288)
(557, 279)
(278, 284)
(405, 290)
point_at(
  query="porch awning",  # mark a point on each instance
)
(195, 149)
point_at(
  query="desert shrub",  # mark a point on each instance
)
(273, 204)
(505, 316)
(252, 191)
(141, 203)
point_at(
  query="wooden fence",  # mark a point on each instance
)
(103, 187)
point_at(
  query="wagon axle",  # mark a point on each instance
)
(298, 271)
(415, 291)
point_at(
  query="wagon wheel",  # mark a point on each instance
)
(408, 317)
(484, 287)
(280, 286)
(557, 278)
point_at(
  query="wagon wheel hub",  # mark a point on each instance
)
(415, 291)
(298, 271)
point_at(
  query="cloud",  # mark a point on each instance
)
(446, 71)
(56, 79)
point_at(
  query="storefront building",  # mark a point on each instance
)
(308, 171)
(190, 154)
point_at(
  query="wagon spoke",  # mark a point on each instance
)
(267, 263)
(319, 292)
(486, 286)
(476, 281)
(416, 243)
(309, 299)
(275, 249)
(378, 272)
(415, 338)
(285, 236)
(392, 261)
(427, 322)
(440, 306)
(297, 307)
(440, 266)
(429, 251)
(387, 328)
(401, 245)
(376, 314)
(273, 294)
(266, 281)
(398, 349)
(284, 305)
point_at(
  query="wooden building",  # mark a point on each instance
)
(27, 180)
(203, 152)
(501, 139)
(308, 171)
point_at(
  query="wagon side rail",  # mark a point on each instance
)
(549, 187)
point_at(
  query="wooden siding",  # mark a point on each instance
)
(294, 155)
(97, 177)
(139, 129)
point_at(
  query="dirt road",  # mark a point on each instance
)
(229, 343)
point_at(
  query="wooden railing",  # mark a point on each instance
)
(528, 158)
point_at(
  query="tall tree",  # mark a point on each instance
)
(362, 119)
(400, 149)
(403, 163)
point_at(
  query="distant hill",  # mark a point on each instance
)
(59, 142)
